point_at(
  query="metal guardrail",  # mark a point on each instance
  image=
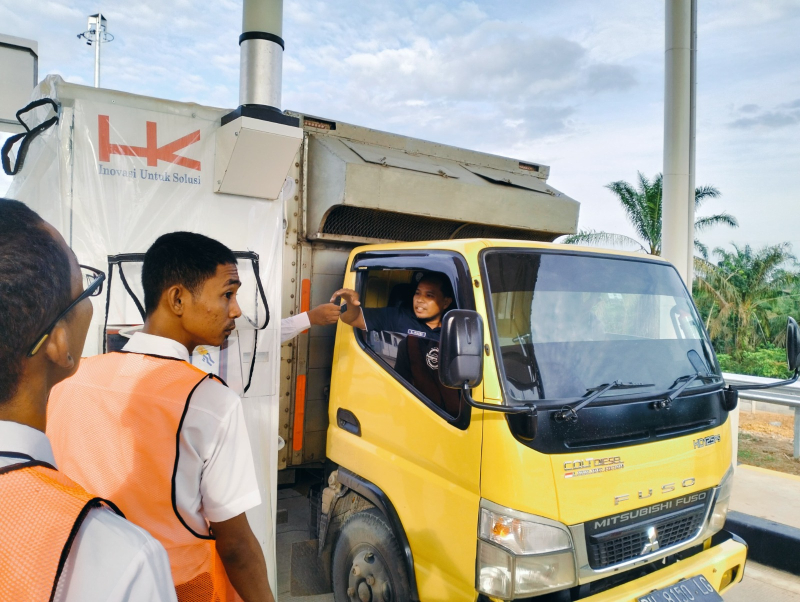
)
(787, 395)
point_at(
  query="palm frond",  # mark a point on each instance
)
(701, 248)
(720, 219)
(701, 193)
(602, 239)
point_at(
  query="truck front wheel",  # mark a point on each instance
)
(368, 565)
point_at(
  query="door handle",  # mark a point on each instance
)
(346, 420)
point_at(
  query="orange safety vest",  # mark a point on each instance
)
(41, 513)
(115, 428)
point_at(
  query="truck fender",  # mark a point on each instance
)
(381, 501)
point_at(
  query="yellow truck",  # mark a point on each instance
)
(589, 457)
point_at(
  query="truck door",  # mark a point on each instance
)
(425, 458)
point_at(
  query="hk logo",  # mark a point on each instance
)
(152, 152)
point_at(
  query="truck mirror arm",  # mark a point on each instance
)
(731, 392)
(528, 408)
(529, 415)
(777, 383)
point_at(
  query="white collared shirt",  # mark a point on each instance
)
(216, 477)
(111, 560)
(294, 325)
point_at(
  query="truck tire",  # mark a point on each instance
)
(368, 565)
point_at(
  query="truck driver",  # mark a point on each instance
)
(418, 353)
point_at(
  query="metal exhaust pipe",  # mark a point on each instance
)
(261, 63)
(261, 53)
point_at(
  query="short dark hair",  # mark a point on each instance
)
(184, 258)
(443, 281)
(35, 285)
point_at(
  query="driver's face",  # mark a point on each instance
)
(429, 301)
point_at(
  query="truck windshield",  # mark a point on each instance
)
(565, 322)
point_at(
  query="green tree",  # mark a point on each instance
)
(745, 295)
(642, 205)
(768, 361)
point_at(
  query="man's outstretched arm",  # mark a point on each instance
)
(243, 559)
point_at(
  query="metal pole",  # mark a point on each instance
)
(692, 142)
(677, 234)
(261, 53)
(98, 38)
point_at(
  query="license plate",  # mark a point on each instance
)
(689, 590)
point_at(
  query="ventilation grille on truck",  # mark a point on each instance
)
(671, 530)
(358, 222)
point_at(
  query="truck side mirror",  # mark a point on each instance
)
(793, 345)
(461, 349)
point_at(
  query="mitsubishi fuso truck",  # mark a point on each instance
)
(590, 455)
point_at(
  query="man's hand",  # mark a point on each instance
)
(243, 559)
(353, 315)
(348, 295)
(322, 315)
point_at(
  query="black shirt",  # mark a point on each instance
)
(400, 320)
(420, 367)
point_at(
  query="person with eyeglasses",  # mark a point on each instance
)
(58, 541)
(162, 439)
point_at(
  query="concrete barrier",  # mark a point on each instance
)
(770, 543)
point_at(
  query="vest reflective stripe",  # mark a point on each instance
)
(41, 513)
(115, 429)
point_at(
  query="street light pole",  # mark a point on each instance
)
(97, 34)
(677, 233)
(97, 44)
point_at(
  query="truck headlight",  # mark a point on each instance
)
(721, 502)
(520, 554)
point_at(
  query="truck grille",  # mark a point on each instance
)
(618, 545)
(373, 224)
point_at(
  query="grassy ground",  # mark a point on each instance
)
(765, 440)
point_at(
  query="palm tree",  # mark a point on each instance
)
(744, 289)
(642, 206)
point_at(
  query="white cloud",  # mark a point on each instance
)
(783, 115)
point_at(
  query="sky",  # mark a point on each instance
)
(577, 85)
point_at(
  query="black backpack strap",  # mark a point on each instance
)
(27, 136)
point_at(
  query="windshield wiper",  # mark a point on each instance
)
(676, 389)
(570, 413)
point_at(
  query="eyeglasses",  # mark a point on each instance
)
(93, 283)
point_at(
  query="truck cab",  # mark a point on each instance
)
(590, 459)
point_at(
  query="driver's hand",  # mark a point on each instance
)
(348, 295)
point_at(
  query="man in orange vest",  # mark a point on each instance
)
(165, 441)
(58, 542)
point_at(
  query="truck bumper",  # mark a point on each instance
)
(714, 564)
(722, 564)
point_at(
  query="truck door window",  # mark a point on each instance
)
(405, 346)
